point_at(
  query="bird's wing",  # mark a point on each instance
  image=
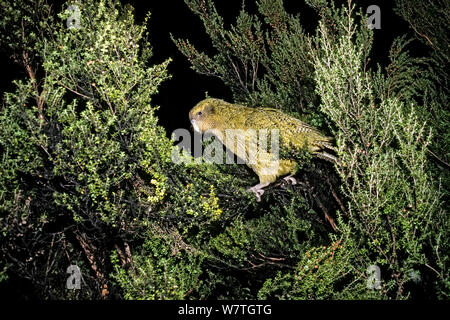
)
(293, 132)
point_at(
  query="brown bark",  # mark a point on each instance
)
(90, 250)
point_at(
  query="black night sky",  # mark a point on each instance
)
(178, 95)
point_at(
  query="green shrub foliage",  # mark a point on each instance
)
(87, 177)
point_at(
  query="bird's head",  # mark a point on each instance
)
(203, 115)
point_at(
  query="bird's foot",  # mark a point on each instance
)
(290, 179)
(258, 190)
(258, 193)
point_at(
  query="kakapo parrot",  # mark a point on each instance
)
(222, 118)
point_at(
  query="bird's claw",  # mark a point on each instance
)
(290, 179)
(258, 193)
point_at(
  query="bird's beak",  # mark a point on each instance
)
(194, 125)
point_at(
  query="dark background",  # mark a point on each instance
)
(179, 94)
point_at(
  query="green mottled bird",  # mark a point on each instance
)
(244, 131)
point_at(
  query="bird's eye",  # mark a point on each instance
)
(199, 113)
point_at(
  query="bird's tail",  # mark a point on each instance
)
(323, 142)
(326, 156)
(326, 144)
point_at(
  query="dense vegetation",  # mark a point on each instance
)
(87, 176)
